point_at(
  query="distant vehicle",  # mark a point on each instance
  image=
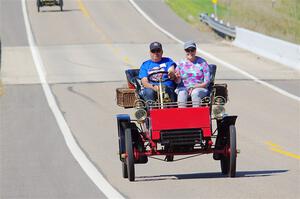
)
(42, 3)
(161, 128)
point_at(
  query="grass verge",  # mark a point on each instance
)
(276, 18)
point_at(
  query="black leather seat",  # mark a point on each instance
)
(212, 71)
(132, 76)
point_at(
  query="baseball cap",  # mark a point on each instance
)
(155, 45)
(189, 44)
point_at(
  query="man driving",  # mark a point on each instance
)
(152, 70)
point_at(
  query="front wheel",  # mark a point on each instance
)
(130, 155)
(232, 157)
(228, 161)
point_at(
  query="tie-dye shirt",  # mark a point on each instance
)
(193, 73)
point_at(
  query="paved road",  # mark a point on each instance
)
(85, 50)
(34, 159)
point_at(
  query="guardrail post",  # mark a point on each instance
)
(215, 6)
(219, 26)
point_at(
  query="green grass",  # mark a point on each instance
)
(277, 18)
(189, 10)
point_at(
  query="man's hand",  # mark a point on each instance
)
(177, 77)
(171, 75)
(155, 87)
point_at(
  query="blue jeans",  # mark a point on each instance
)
(150, 94)
(196, 96)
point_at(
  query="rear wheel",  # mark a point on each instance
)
(122, 125)
(61, 4)
(38, 4)
(124, 170)
(224, 165)
(130, 155)
(169, 158)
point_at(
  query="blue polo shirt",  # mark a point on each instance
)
(149, 67)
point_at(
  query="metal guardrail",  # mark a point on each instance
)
(218, 25)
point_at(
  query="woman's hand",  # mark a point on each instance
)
(201, 85)
(177, 77)
(177, 74)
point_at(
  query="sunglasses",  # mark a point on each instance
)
(156, 51)
(190, 50)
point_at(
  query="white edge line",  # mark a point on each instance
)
(75, 150)
(210, 56)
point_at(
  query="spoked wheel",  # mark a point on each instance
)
(61, 4)
(228, 161)
(130, 155)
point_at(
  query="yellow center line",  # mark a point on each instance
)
(286, 153)
(105, 36)
(83, 9)
(278, 149)
(273, 145)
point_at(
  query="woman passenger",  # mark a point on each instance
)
(192, 75)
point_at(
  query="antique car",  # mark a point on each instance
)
(42, 3)
(160, 128)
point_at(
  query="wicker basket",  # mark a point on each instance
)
(125, 97)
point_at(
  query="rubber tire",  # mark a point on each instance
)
(224, 165)
(169, 158)
(224, 160)
(38, 5)
(124, 170)
(130, 156)
(228, 164)
(232, 158)
(61, 4)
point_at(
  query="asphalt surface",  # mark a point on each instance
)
(12, 27)
(35, 161)
(85, 51)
